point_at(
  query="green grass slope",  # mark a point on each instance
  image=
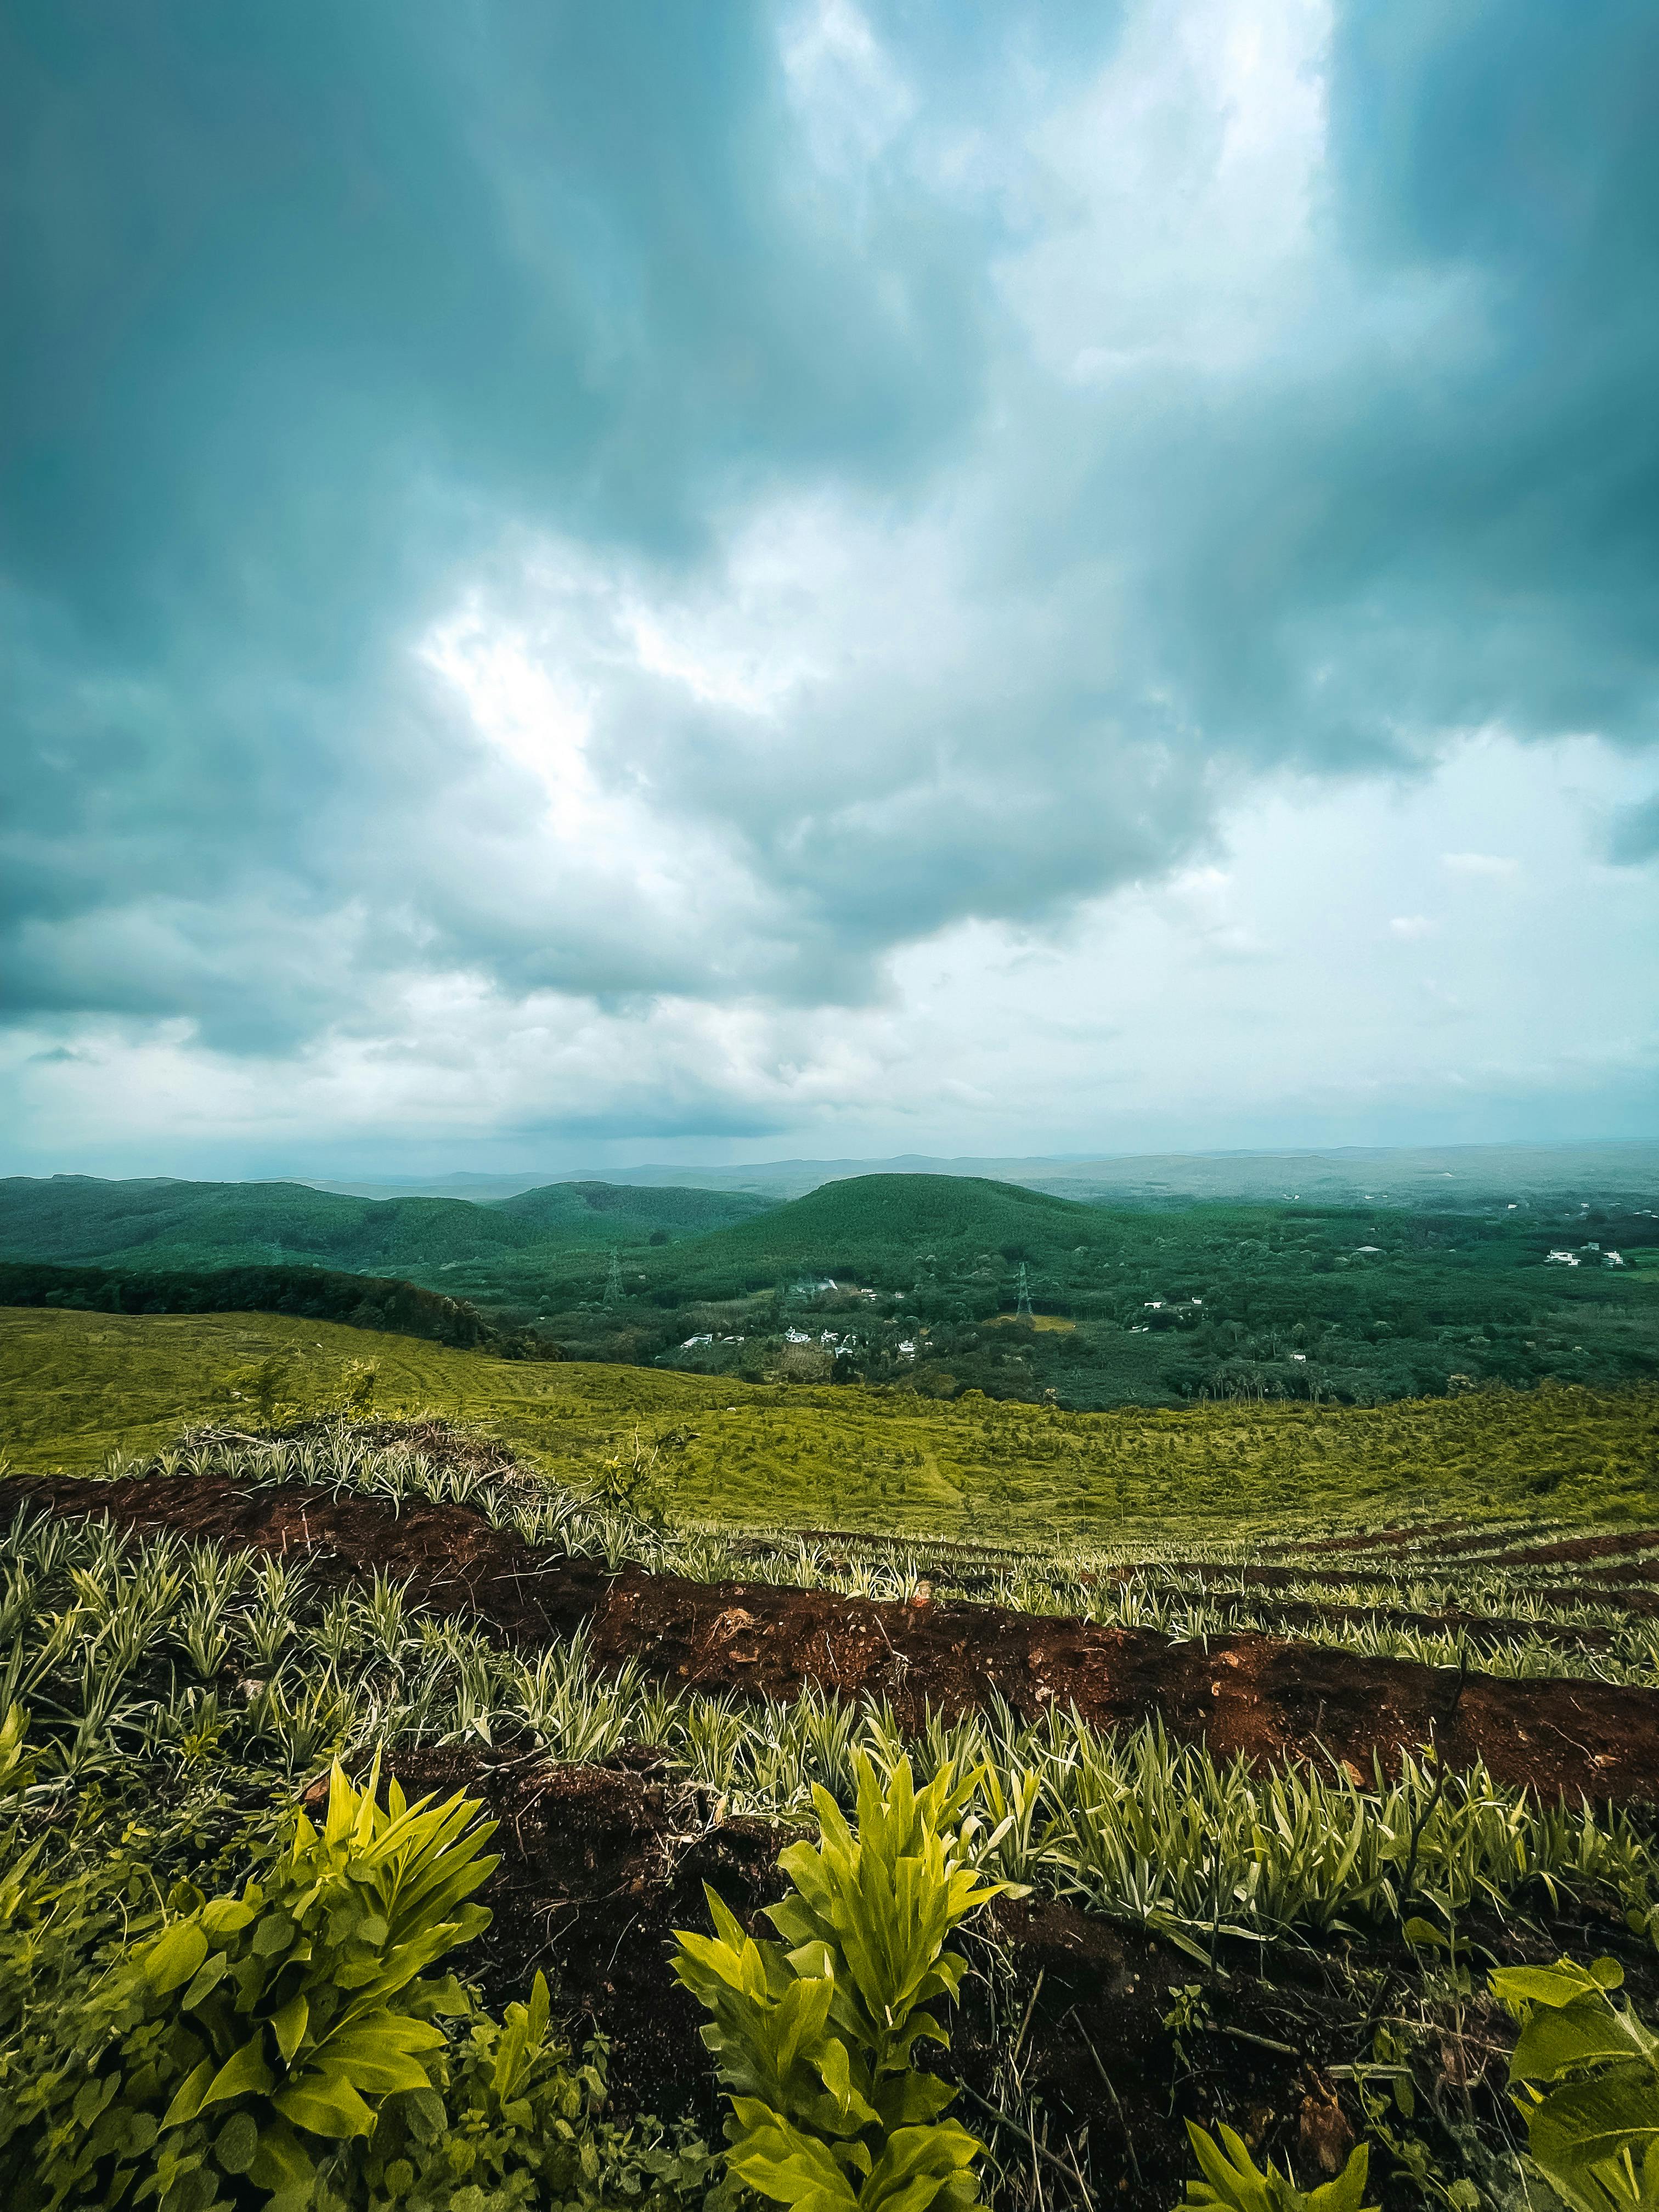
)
(75, 1386)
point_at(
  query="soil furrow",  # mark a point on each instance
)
(1265, 1697)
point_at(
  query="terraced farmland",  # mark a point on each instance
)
(1279, 1804)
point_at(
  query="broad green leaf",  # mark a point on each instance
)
(289, 2026)
(835, 2072)
(237, 2143)
(377, 2056)
(187, 2099)
(1584, 2121)
(1587, 2034)
(244, 2073)
(212, 1970)
(275, 1932)
(1347, 2192)
(324, 2105)
(916, 2161)
(174, 1957)
(225, 1916)
(1233, 2177)
(781, 2162)
(1564, 1984)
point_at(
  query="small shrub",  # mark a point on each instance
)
(281, 2048)
(1586, 2076)
(814, 2037)
(1233, 2182)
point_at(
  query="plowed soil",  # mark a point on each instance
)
(1571, 1549)
(1265, 1698)
(1378, 1540)
(1562, 1550)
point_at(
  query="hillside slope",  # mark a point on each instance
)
(161, 1222)
(869, 1224)
(612, 1208)
(75, 1385)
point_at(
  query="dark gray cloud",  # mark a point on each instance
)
(929, 462)
(1635, 833)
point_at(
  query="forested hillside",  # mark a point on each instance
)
(884, 1227)
(161, 1222)
(375, 1302)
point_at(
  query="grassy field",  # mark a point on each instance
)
(75, 1387)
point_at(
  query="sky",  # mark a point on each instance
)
(716, 582)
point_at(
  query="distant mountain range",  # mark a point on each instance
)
(1457, 1174)
(728, 1234)
(161, 1222)
(1148, 1293)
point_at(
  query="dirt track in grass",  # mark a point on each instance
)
(1269, 1699)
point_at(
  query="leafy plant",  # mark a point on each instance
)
(16, 1762)
(815, 2038)
(257, 2034)
(1189, 2015)
(1233, 2182)
(1588, 2076)
(518, 2121)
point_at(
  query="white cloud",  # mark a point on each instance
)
(851, 99)
(1498, 865)
(1175, 193)
(1120, 1030)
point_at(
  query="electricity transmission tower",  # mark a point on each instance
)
(614, 1292)
(1023, 1307)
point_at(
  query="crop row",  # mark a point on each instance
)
(1173, 1597)
(159, 1650)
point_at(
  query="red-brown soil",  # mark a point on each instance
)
(601, 1864)
(1575, 1548)
(1561, 1550)
(1263, 1697)
(1378, 1540)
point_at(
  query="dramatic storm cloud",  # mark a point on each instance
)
(579, 580)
